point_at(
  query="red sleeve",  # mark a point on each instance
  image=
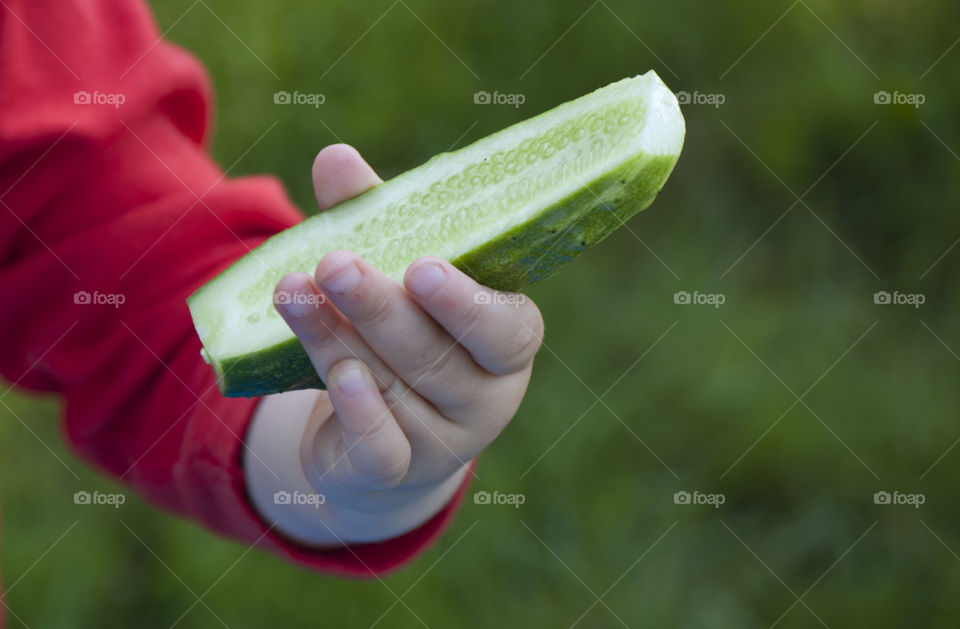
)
(108, 196)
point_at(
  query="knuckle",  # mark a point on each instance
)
(526, 344)
(379, 423)
(391, 468)
(381, 468)
(459, 306)
(537, 328)
(394, 392)
(375, 308)
(317, 335)
(472, 313)
(432, 366)
(370, 460)
(526, 341)
(391, 388)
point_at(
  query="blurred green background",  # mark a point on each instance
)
(694, 398)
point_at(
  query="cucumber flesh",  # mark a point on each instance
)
(508, 210)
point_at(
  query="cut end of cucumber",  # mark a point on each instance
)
(508, 210)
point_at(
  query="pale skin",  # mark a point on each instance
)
(421, 377)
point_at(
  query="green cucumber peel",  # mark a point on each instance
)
(508, 210)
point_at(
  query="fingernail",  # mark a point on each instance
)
(426, 279)
(352, 382)
(343, 280)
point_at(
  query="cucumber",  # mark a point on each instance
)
(508, 210)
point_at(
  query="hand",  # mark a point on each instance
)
(420, 377)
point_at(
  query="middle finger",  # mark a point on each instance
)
(408, 340)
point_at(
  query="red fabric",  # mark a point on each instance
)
(124, 200)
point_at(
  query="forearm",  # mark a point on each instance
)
(277, 462)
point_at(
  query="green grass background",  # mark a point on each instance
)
(599, 518)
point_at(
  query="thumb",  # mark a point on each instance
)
(339, 173)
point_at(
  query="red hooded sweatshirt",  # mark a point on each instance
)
(107, 193)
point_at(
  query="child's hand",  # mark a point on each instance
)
(421, 377)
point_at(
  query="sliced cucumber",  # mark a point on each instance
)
(508, 210)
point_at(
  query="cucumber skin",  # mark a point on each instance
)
(528, 253)
(281, 367)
